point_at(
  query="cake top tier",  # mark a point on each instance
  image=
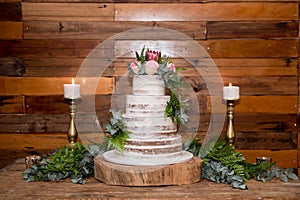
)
(150, 85)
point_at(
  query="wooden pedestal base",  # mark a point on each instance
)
(176, 174)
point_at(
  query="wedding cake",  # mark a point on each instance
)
(153, 138)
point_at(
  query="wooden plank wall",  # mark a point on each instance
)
(254, 43)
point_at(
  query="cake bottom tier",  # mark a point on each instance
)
(132, 158)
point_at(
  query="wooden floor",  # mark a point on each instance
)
(12, 186)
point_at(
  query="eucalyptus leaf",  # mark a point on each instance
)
(292, 176)
(284, 178)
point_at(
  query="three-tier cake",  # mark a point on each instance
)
(153, 139)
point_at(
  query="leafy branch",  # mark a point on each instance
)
(116, 131)
(176, 108)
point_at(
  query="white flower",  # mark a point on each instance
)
(151, 67)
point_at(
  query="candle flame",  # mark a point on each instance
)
(230, 84)
(73, 81)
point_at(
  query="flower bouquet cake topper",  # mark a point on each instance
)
(152, 62)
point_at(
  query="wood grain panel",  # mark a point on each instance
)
(259, 104)
(51, 43)
(53, 48)
(32, 142)
(50, 85)
(11, 30)
(152, 1)
(254, 48)
(264, 85)
(127, 1)
(12, 66)
(216, 11)
(254, 123)
(12, 104)
(104, 29)
(59, 67)
(55, 104)
(34, 123)
(283, 158)
(252, 29)
(263, 122)
(261, 85)
(266, 140)
(68, 11)
(10, 11)
(238, 0)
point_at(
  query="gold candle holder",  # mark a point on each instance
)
(72, 132)
(230, 135)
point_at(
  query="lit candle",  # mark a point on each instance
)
(72, 91)
(231, 92)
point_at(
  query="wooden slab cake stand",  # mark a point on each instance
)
(128, 175)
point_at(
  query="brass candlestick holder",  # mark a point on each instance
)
(72, 132)
(230, 135)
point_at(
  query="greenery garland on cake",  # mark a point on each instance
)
(116, 132)
(151, 62)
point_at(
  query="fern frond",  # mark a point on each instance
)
(119, 140)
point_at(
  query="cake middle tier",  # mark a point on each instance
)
(148, 127)
(141, 106)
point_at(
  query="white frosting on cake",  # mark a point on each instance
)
(153, 139)
(143, 105)
(148, 85)
(153, 126)
(154, 146)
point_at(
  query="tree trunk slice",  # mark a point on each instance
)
(176, 174)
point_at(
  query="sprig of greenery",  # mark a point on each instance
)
(116, 131)
(176, 108)
(193, 146)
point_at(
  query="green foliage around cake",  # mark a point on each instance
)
(176, 109)
(223, 164)
(76, 163)
(116, 131)
(224, 153)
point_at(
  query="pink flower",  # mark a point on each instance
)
(152, 55)
(151, 67)
(135, 67)
(172, 67)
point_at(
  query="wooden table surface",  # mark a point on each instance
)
(12, 186)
